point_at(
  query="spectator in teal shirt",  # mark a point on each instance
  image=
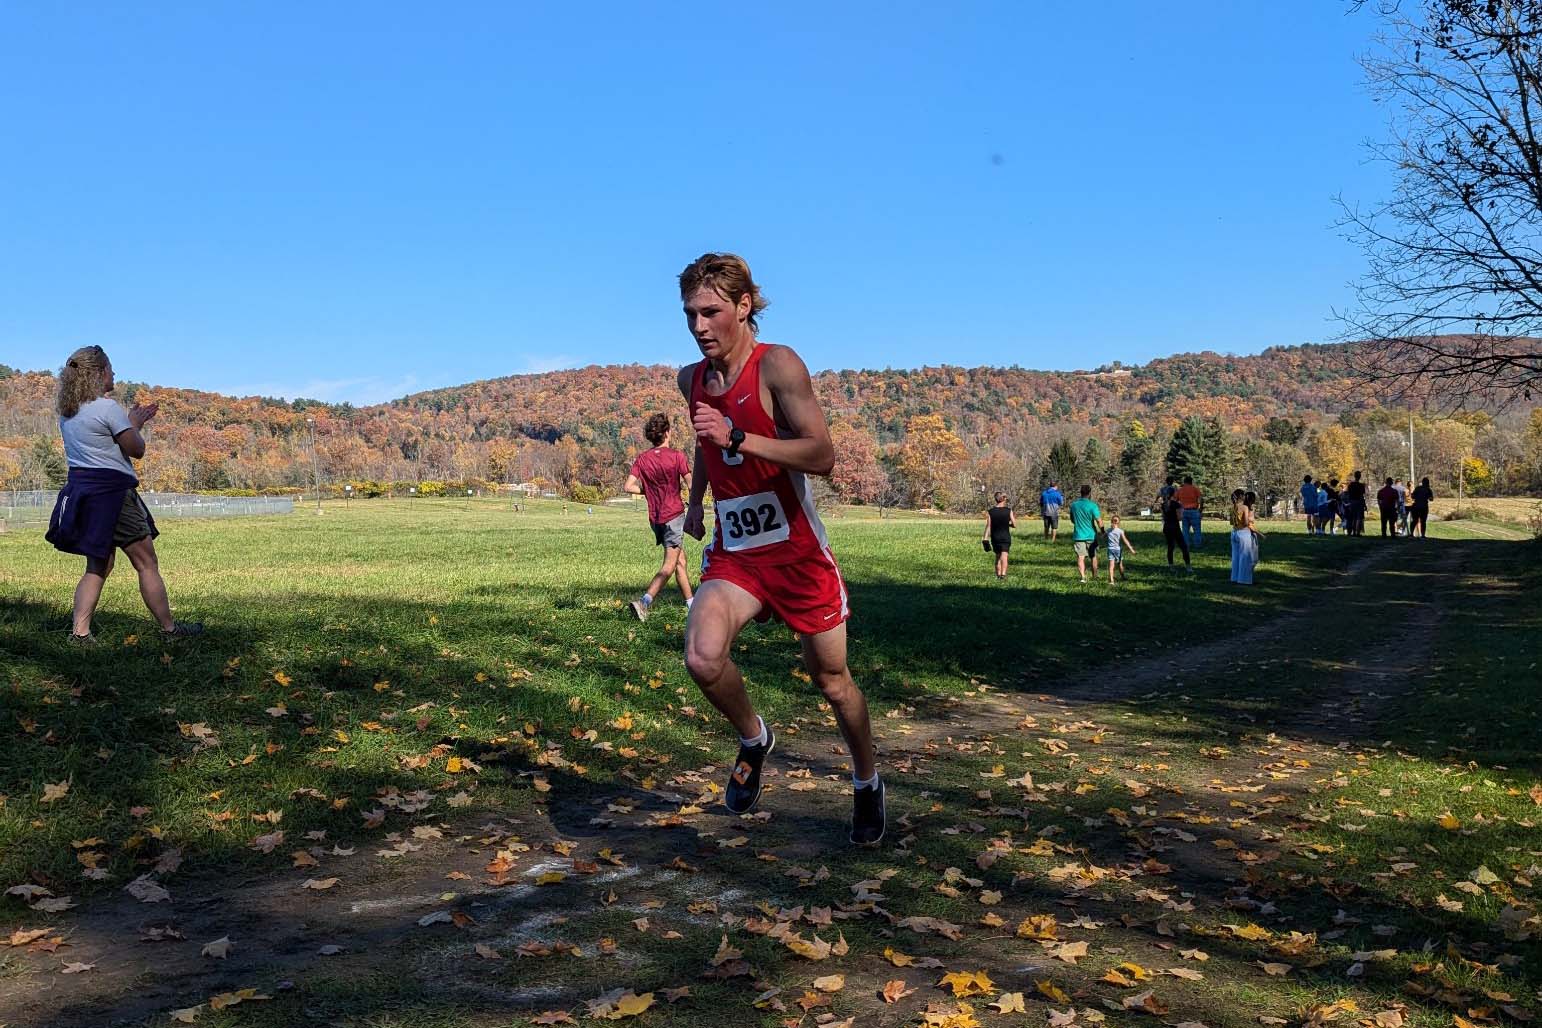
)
(1086, 523)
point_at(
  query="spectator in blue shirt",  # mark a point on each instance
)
(1309, 503)
(1050, 502)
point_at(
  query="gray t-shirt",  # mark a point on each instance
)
(88, 436)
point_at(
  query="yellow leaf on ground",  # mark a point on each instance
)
(818, 949)
(1070, 952)
(897, 958)
(630, 1005)
(55, 791)
(319, 884)
(1052, 992)
(1038, 926)
(830, 983)
(967, 983)
(1249, 931)
(187, 1015)
(1010, 1003)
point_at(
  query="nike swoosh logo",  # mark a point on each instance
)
(830, 615)
(741, 399)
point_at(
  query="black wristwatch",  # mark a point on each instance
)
(735, 437)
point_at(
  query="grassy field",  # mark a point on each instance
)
(398, 660)
(1514, 509)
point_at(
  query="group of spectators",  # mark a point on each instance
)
(1404, 509)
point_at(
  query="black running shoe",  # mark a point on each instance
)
(743, 790)
(868, 817)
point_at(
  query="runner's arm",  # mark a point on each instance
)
(987, 534)
(695, 519)
(792, 396)
(632, 485)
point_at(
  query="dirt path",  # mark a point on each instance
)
(423, 902)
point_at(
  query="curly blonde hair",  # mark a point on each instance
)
(82, 379)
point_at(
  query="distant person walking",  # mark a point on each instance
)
(999, 522)
(657, 474)
(1386, 503)
(1192, 501)
(1244, 540)
(1172, 532)
(1354, 506)
(1086, 523)
(1331, 510)
(1050, 502)
(1403, 489)
(1166, 492)
(1309, 503)
(99, 510)
(1419, 514)
(1117, 542)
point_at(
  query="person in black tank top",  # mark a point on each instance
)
(999, 523)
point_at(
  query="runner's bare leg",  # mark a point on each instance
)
(660, 580)
(824, 656)
(719, 612)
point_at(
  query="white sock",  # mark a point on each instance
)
(759, 740)
(868, 783)
(647, 601)
(688, 603)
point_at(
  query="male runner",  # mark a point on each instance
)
(657, 474)
(759, 430)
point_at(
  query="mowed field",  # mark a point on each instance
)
(394, 666)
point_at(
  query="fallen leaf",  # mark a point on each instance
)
(1052, 992)
(1010, 1003)
(76, 968)
(967, 983)
(895, 990)
(56, 791)
(830, 983)
(267, 843)
(147, 890)
(1070, 952)
(219, 949)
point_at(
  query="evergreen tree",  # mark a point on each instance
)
(1217, 459)
(1063, 466)
(1096, 464)
(1186, 451)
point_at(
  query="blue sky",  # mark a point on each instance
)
(353, 201)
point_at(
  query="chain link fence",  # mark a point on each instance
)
(30, 508)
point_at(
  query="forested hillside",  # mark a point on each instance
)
(932, 436)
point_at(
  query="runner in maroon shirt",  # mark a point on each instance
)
(657, 474)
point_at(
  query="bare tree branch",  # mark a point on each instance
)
(1450, 308)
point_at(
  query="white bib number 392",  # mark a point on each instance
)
(750, 521)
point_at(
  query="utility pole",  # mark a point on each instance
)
(1410, 451)
(315, 464)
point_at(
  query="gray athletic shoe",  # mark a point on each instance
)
(83, 641)
(182, 630)
(640, 609)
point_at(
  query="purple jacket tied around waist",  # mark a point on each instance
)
(86, 512)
